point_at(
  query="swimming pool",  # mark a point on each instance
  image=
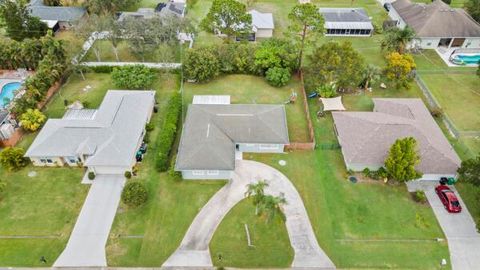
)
(464, 59)
(7, 93)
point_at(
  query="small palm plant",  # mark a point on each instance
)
(272, 205)
(256, 191)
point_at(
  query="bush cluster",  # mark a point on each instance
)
(102, 69)
(12, 158)
(168, 132)
(134, 194)
(420, 196)
(376, 175)
(205, 63)
(133, 77)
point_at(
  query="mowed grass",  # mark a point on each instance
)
(246, 89)
(42, 209)
(147, 235)
(364, 225)
(271, 245)
(454, 4)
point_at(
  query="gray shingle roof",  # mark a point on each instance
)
(63, 14)
(110, 135)
(211, 132)
(437, 19)
(346, 18)
(366, 137)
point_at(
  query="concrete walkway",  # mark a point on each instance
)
(194, 248)
(86, 246)
(460, 230)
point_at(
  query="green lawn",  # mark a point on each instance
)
(44, 206)
(271, 246)
(162, 54)
(364, 225)
(252, 89)
(146, 236)
(454, 4)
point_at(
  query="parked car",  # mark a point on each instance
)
(448, 198)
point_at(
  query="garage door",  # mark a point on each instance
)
(110, 170)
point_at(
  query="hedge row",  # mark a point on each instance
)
(168, 133)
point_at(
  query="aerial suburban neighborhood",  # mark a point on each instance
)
(227, 134)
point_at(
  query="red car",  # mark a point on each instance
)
(448, 198)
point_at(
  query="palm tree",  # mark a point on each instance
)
(271, 205)
(370, 75)
(397, 39)
(257, 192)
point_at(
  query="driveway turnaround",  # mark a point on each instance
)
(194, 251)
(460, 230)
(86, 246)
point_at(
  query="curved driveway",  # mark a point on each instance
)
(194, 251)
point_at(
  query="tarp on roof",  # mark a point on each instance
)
(332, 104)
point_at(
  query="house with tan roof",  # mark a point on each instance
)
(366, 137)
(437, 24)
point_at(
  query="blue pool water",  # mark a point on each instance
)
(467, 59)
(7, 93)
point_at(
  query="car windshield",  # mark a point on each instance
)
(455, 203)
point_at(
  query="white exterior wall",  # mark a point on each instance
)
(56, 161)
(436, 177)
(261, 148)
(206, 174)
(425, 43)
(264, 33)
(427, 176)
(472, 43)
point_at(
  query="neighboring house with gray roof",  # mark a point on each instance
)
(366, 137)
(347, 22)
(214, 134)
(105, 140)
(262, 24)
(56, 17)
(437, 24)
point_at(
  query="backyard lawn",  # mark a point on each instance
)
(38, 214)
(271, 246)
(252, 90)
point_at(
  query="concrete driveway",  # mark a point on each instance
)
(460, 230)
(194, 248)
(86, 246)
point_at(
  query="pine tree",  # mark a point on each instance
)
(402, 159)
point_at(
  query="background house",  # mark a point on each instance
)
(57, 18)
(366, 137)
(262, 24)
(347, 22)
(214, 135)
(437, 24)
(105, 140)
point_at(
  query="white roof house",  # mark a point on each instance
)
(105, 140)
(347, 22)
(262, 24)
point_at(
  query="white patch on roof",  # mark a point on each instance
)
(261, 20)
(213, 99)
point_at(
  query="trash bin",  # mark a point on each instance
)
(451, 180)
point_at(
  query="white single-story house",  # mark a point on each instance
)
(105, 140)
(347, 22)
(436, 24)
(214, 135)
(262, 24)
(56, 17)
(366, 137)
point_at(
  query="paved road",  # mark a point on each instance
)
(194, 251)
(86, 246)
(460, 231)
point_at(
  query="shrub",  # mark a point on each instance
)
(149, 127)
(128, 174)
(91, 175)
(201, 64)
(366, 172)
(102, 69)
(134, 194)
(327, 90)
(177, 176)
(420, 196)
(133, 77)
(168, 132)
(278, 76)
(32, 119)
(146, 137)
(12, 158)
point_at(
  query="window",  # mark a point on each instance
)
(43, 160)
(198, 173)
(213, 172)
(268, 146)
(49, 160)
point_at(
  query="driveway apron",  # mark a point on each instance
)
(86, 246)
(194, 251)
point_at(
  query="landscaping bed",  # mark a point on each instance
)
(246, 89)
